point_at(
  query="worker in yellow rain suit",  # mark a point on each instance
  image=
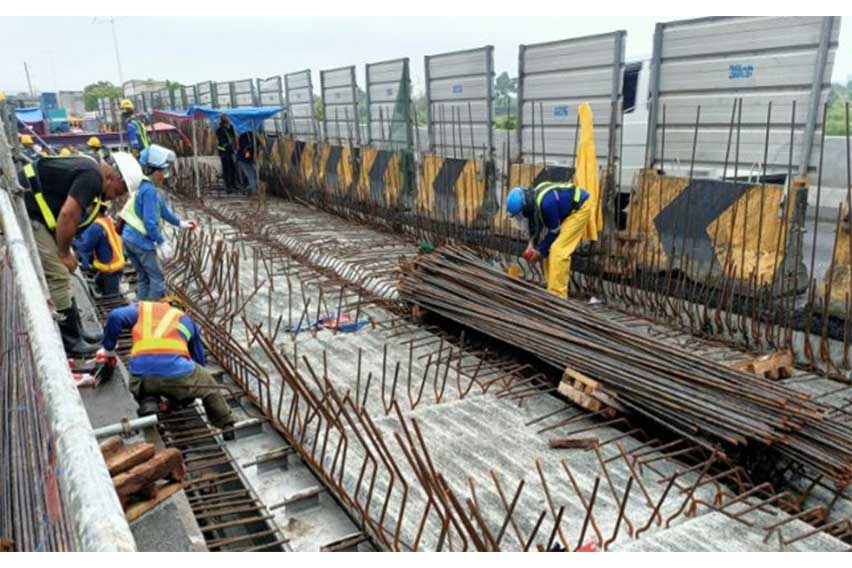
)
(557, 215)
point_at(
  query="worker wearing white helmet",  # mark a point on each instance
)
(143, 217)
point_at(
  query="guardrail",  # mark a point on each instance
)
(55, 490)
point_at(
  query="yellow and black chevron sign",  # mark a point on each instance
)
(735, 228)
(452, 189)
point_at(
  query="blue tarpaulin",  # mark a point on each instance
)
(30, 115)
(244, 119)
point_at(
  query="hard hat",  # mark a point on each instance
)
(515, 201)
(126, 105)
(27, 140)
(94, 142)
(64, 152)
(157, 157)
(129, 169)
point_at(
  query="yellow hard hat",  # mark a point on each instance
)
(94, 142)
(27, 140)
(65, 152)
(126, 105)
(2, 96)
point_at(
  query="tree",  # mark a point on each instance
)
(91, 93)
(505, 92)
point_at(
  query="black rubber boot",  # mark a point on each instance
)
(89, 338)
(74, 343)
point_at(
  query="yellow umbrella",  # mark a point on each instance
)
(586, 171)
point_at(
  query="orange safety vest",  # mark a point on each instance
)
(115, 244)
(158, 331)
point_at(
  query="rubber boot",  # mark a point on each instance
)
(89, 337)
(74, 343)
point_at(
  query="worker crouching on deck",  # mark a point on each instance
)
(559, 211)
(102, 242)
(143, 216)
(167, 359)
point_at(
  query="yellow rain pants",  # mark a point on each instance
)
(557, 266)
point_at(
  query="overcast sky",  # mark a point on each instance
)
(69, 53)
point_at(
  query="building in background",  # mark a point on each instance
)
(136, 87)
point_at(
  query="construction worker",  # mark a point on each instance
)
(143, 216)
(65, 196)
(167, 359)
(226, 140)
(137, 134)
(560, 212)
(97, 149)
(102, 242)
(30, 151)
(246, 146)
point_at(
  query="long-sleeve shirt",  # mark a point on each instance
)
(155, 365)
(94, 239)
(149, 206)
(134, 137)
(555, 207)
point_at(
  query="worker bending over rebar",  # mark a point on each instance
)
(559, 212)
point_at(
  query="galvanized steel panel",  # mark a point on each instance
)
(339, 92)
(243, 92)
(554, 78)
(204, 93)
(300, 108)
(460, 97)
(188, 97)
(389, 105)
(270, 92)
(223, 95)
(712, 62)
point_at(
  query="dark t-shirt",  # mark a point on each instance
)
(78, 177)
(246, 153)
(225, 137)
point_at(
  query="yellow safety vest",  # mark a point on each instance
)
(545, 188)
(128, 213)
(143, 132)
(158, 331)
(115, 245)
(46, 213)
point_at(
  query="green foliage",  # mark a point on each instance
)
(835, 121)
(506, 123)
(419, 111)
(318, 109)
(91, 93)
(505, 91)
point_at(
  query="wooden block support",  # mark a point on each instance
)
(129, 458)
(167, 463)
(777, 365)
(111, 446)
(583, 391)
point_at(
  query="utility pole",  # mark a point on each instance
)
(117, 56)
(29, 83)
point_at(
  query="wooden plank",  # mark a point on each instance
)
(136, 510)
(111, 446)
(129, 458)
(167, 463)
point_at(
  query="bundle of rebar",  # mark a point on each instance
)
(705, 401)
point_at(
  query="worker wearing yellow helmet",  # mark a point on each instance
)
(30, 151)
(97, 149)
(137, 134)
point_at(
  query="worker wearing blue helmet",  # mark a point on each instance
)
(556, 215)
(143, 217)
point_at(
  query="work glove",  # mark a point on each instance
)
(191, 225)
(166, 251)
(530, 254)
(104, 355)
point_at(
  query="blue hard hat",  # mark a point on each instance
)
(157, 157)
(515, 201)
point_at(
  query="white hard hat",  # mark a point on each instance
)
(157, 157)
(129, 169)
